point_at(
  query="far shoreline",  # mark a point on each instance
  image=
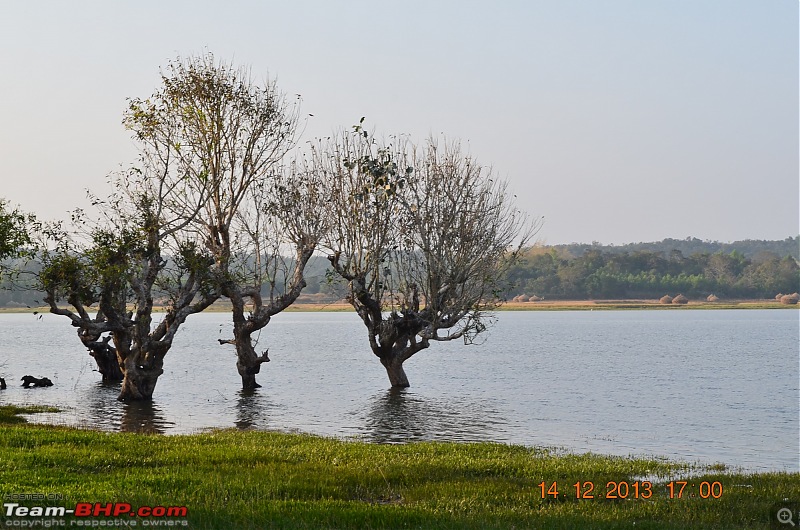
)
(541, 305)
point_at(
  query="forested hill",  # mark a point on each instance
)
(697, 269)
(749, 248)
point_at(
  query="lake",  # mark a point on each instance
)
(707, 386)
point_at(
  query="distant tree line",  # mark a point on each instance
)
(603, 274)
(553, 273)
(692, 245)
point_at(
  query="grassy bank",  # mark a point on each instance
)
(231, 479)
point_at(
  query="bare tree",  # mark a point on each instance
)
(423, 236)
(205, 214)
(278, 233)
(189, 279)
(229, 136)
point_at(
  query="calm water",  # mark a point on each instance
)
(705, 386)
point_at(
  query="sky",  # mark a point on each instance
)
(618, 121)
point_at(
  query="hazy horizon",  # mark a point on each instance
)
(619, 122)
(601, 243)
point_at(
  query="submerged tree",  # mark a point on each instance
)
(277, 236)
(76, 274)
(206, 214)
(423, 237)
(139, 251)
(230, 136)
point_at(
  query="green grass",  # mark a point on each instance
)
(233, 479)
(10, 414)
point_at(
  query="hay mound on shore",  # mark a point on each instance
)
(790, 299)
(712, 298)
(666, 299)
(680, 299)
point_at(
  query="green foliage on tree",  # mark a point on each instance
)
(15, 239)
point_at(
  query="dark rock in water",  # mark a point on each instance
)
(29, 381)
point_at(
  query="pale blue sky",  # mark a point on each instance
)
(618, 120)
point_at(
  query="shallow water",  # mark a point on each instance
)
(695, 385)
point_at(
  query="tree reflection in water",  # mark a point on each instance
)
(103, 411)
(144, 417)
(252, 410)
(398, 415)
(106, 413)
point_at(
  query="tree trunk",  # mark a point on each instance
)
(104, 355)
(248, 374)
(107, 363)
(394, 369)
(248, 363)
(139, 381)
